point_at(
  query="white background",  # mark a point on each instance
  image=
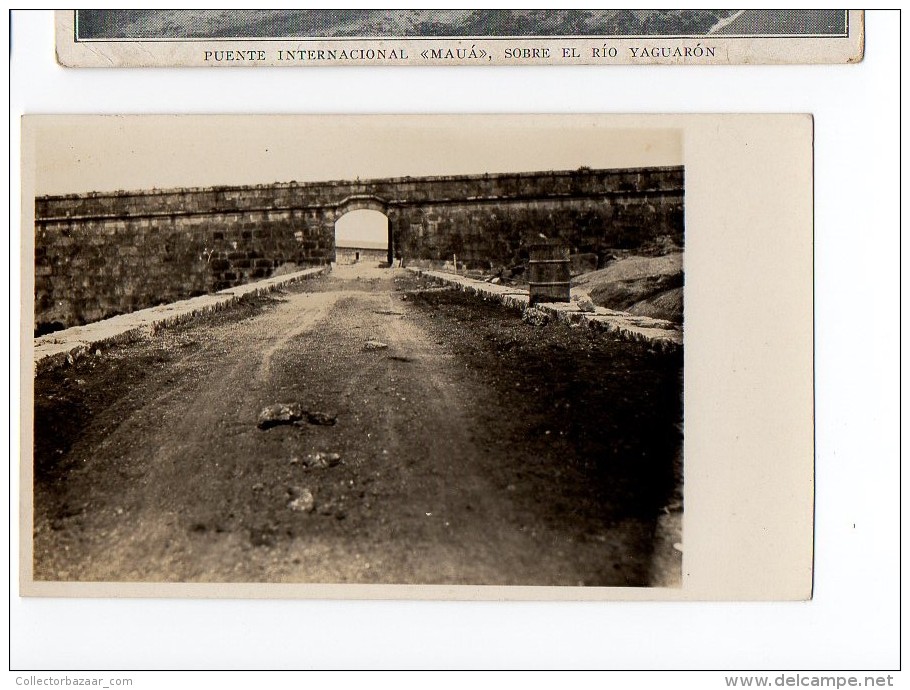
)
(853, 620)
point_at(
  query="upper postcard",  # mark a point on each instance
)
(195, 38)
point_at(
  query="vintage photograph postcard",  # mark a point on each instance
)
(249, 38)
(471, 357)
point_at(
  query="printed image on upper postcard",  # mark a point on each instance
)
(237, 38)
(418, 356)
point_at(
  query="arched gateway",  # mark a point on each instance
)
(367, 202)
(99, 254)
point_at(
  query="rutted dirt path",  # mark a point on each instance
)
(150, 466)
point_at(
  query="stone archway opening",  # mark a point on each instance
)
(362, 237)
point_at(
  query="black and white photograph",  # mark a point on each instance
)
(358, 351)
(388, 37)
(343, 23)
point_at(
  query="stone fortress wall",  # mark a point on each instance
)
(101, 254)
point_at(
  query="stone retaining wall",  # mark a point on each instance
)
(55, 349)
(663, 335)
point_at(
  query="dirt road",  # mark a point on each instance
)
(462, 456)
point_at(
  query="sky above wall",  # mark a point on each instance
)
(76, 154)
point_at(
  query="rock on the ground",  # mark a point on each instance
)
(320, 461)
(303, 502)
(535, 316)
(279, 413)
(587, 305)
(374, 345)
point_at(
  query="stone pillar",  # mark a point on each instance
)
(391, 236)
